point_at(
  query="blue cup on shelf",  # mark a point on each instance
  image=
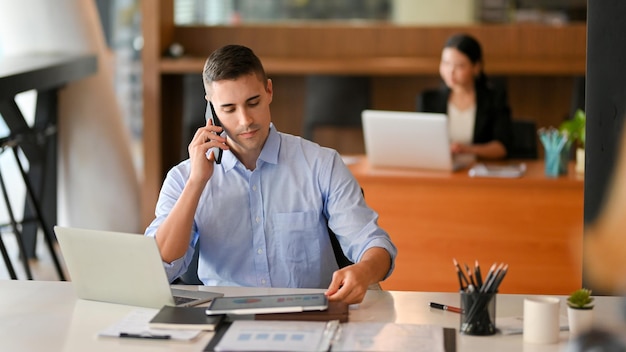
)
(556, 145)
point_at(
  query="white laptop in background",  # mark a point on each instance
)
(410, 140)
(121, 268)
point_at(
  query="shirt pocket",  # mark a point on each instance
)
(297, 241)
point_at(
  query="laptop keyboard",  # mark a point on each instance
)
(178, 300)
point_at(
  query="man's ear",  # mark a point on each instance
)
(269, 89)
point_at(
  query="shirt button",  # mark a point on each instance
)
(257, 219)
(263, 281)
(254, 188)
(260, 251)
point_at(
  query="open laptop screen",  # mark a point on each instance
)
(407, 139)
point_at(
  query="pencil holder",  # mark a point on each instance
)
(478, 316)
(565, 157)
(556, 147)
(553, 163)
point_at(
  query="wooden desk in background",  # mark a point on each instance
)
(534, 223)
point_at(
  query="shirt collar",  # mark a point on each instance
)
(269, 153)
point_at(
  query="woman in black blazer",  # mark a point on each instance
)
(479, 114)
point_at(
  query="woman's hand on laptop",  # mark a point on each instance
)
(458, 148)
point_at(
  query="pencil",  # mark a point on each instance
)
(479, 278)
(471, 276)
(462, 278)
(500, 277)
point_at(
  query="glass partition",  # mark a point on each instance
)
(235, 12)
(230, 12)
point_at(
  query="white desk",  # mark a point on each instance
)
(46, 315)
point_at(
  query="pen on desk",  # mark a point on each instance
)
(445, 307)
(144, 336)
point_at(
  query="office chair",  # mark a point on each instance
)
(332, 111)
(193, 110)
(524, 140)
(190, 277)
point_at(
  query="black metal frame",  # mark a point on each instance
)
(15, 142)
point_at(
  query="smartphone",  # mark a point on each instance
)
(217, 152)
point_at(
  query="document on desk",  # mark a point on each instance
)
(278, 335)
(375, 336)
(135, 325)
(250, 335)
(499, 171)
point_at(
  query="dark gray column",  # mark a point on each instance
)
(605, 99)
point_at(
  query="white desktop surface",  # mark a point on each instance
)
(46, 315)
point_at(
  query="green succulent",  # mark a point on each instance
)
(580, 299)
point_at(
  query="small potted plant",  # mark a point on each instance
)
(580, 311)
(575, 129)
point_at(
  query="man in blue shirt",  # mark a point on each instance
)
(261, 216)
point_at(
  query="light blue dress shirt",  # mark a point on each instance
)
(268, 227)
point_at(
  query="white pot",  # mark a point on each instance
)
(580, 160)
(579, 320)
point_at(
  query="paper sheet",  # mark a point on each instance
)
(372, 336)
(253, 335)
(136, 323)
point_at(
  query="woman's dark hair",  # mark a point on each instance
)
(469, 46)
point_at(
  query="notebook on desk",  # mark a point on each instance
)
(121, 268)
(410, 139)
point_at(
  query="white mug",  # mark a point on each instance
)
(541, 319)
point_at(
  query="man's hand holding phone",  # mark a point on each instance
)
(202, 152)
(217, 152)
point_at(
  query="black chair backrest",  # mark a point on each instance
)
(342, 260)
(524, 140)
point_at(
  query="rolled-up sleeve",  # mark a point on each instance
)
(170, 192)
(354, 223)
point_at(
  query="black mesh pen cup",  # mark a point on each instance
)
(478, 316)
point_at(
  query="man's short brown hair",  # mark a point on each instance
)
(232, 62)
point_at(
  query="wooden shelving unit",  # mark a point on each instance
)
(539, 62)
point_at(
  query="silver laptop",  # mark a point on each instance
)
(410, 139)
(121, 268)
